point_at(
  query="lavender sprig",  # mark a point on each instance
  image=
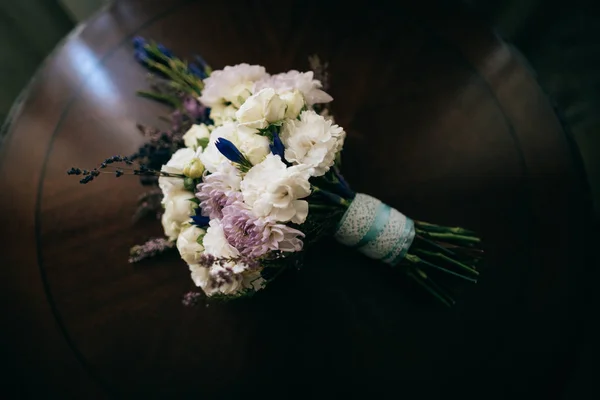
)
(191, 299)
(149, 249)
(107, 165)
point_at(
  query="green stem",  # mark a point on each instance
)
(434, 244)
(421, 278)
(445, 270)
(163, 98)
(332, 196)
(448, 259)
(449, 236)
(443, 229)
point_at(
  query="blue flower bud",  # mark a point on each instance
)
(165, 52)
(231, 152)
(277, 147)
(138, 42)
(200, 221)
(197, 71)
(141, 56)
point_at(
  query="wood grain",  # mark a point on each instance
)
(444, 123)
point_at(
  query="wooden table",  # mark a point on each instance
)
(444, 121)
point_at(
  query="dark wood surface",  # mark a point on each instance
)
(444, 123)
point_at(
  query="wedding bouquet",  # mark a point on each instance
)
(249, 177)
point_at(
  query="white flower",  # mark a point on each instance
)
(178, 209)
(260, 109)
(221, 114)
(211, 157)
(219, 279)
(288, 81)
(255, 147)
(196, 132)
(200, 276)
(273, 190)
(312, 141)
(294, 101)
(253, 280)
(215, 242)
(232, 85)
(228, 278)
(228, 178)
(187, 244)
(176, 165)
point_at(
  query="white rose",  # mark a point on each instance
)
(273, 190)
(190, 138)
(215, 242)
(312, 141)
(187, 244)
(221, 114)
(288, 81)
(178, 209)
(176, 165)
(294, 101)
(232, 85)
(255, 147)
(260, 109)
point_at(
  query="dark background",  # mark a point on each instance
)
(558, 43)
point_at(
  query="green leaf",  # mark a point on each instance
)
(195, 200)
(200, 239)
(338, 159)
(266, 132)
(189, 184)
(203, 142)
(162, 98)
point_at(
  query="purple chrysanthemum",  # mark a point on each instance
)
(215, 194)
(254, 237)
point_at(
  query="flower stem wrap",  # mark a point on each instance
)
(426, 251)
(376, 230)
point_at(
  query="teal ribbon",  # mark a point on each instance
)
(409, 234)
(382, 217)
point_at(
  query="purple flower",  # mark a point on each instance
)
(217, 191)
(149, 249)
(191, 299)
(254, 237)
(193, 108)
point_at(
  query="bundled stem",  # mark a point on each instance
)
(440, 250)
